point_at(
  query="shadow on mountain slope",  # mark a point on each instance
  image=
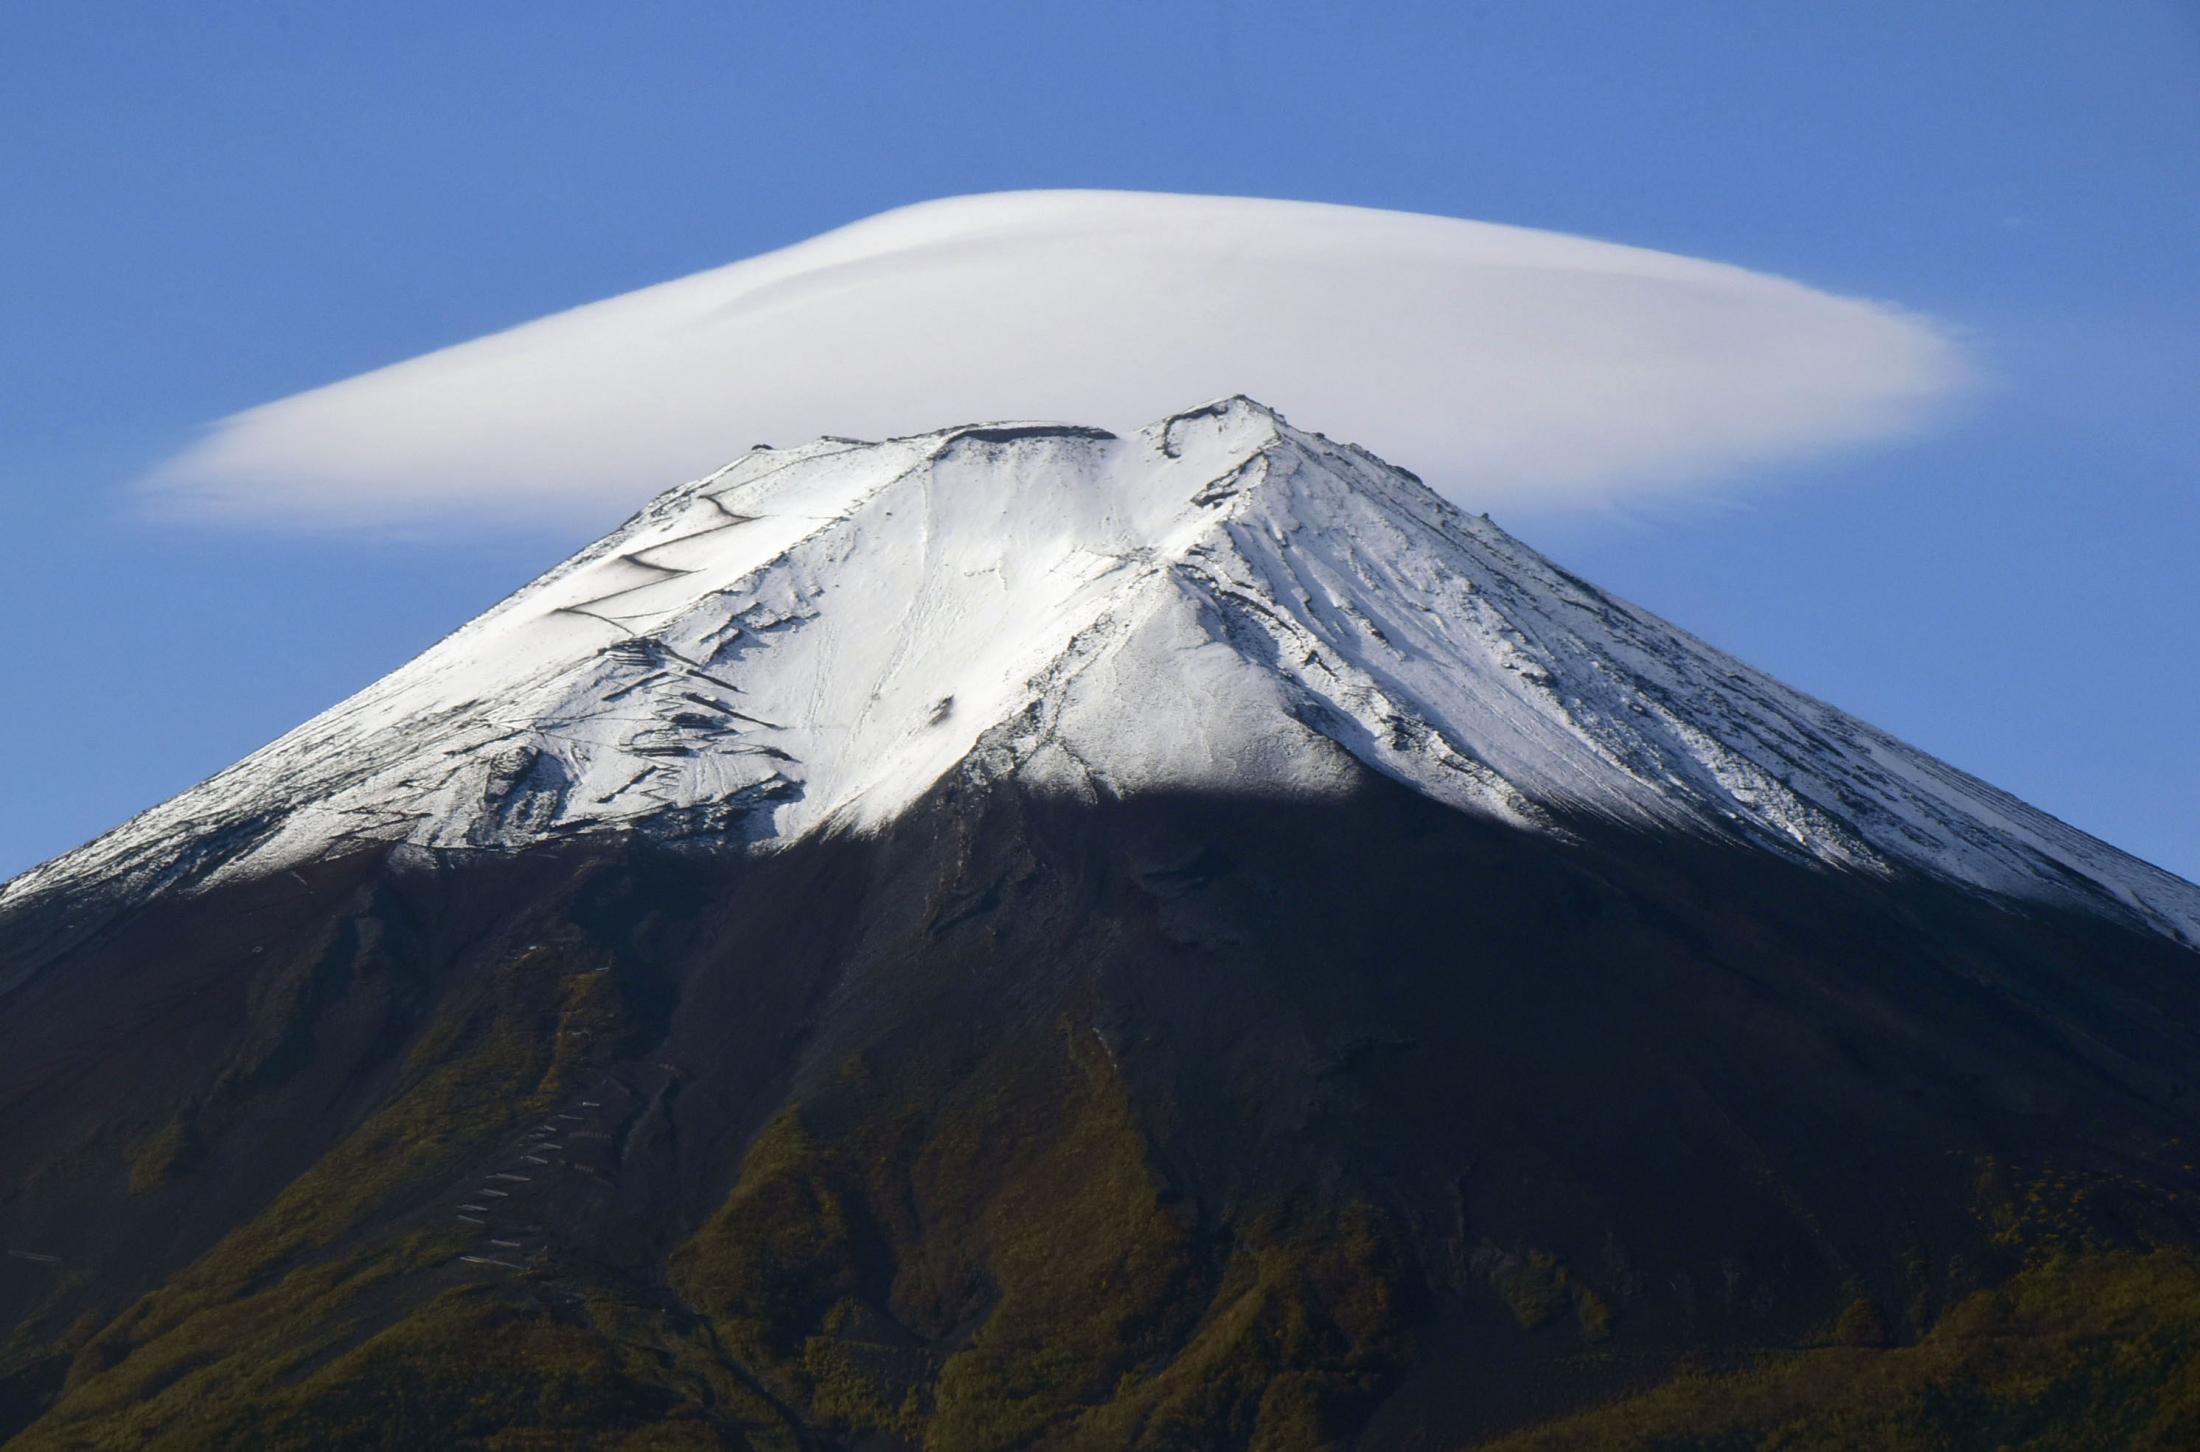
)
(1169, 1122)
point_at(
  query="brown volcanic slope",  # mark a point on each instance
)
(1172, 1122)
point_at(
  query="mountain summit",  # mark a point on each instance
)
(810, 638)
(1019, 937)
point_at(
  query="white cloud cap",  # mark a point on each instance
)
(1510, 367)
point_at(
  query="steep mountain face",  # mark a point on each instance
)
(1021, 937)
(810, 638)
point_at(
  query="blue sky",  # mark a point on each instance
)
(216, 206)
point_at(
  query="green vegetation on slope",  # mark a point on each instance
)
(2081, 1351)
(470, 1370)
(1010, 1269)
(182, 1364)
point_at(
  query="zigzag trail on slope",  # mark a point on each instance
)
(810, 638)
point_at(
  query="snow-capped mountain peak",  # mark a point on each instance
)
(810, 638)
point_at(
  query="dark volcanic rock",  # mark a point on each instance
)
(1173, 1121)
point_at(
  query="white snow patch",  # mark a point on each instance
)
(809, 639)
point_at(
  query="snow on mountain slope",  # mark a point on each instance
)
(811, 637)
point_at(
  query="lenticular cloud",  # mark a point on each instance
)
(1508, 366)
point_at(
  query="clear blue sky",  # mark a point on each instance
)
(212, 206)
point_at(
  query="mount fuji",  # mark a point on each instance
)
(808, 639)
(1024, 936)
